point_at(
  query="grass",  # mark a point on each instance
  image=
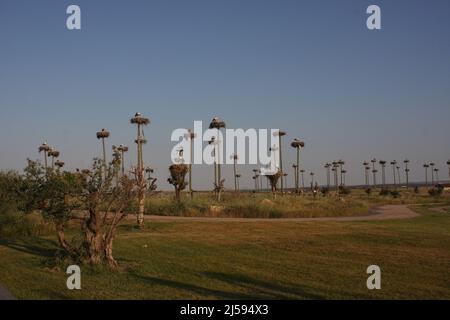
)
(257, 260)
(248, 205)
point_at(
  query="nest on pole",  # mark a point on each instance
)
(141, 141)
(279, 133)
(217, 123)
(122, 148)
(44, 147)
(53, 153)
(103, 134)
(190, 135)
(140, 120)
(59, 164)
(297, 143)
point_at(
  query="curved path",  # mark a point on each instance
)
(386, 212)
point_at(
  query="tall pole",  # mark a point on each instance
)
(281, 162)
(393, 163)
(407, 173)
(140, 121)
(235, 173)
(432, 173)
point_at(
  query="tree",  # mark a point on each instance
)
(178, 178)
(273, 180)
(297, 144)
(140, 122)
(107, 205)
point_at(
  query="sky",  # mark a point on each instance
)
(311, 68)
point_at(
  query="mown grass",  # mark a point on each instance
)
(253, 260)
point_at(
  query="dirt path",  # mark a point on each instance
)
(5, 295)
(386, 212)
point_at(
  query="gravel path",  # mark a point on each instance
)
(386, 212)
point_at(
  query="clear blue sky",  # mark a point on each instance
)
(310, 67)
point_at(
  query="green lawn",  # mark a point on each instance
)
(257, 260)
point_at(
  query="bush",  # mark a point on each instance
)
(324, 191)
(344, 190)
(14, 223)
(384, 192)
(436, 191)
(395, 194)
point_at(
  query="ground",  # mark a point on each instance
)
(193, 259)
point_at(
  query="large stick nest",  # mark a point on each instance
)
(279, 133)
(216, 123)
(297, 143)
(103, 134)
(59, 164)
(53, 153)
(44, 147)
(139, 119)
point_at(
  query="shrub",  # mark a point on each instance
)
(14, 223)
(436, 191)
(324, 191)
(344, 190)
(395, 194)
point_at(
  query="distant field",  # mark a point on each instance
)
(259, 260)
(266, 205)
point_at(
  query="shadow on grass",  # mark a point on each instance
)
(201, 291)
(246, 288)
(262, 289)
(35, 246)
